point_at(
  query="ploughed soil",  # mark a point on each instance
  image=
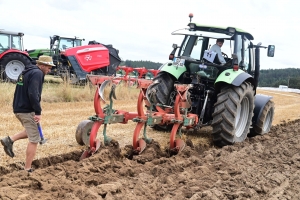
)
(262, 167)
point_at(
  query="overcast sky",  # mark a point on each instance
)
(141, 29)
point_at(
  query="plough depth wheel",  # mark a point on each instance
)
(83, 132)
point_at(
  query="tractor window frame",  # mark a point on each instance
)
(238, 46)
(5, 42)
(16, 42)
(246, 53)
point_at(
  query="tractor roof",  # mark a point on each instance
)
(73, 38)
(11, 32)
(218, 29)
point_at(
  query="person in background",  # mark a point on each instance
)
(27, 108)
(217, 48)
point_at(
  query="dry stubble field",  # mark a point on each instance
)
(59, 123)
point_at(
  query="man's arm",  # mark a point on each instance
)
(35, 90)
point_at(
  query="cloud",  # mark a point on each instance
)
(141, 30)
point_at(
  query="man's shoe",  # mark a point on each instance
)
(29, 170)
(8, 145)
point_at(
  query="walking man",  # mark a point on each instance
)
(27, 108)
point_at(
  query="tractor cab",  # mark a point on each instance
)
(58, 44)
(198, 50)
(13, 58)
(11, 40)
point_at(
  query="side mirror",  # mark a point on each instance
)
(271, 50)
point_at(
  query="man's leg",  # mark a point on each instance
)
(9, 141)
(18, 136)
(30, 153)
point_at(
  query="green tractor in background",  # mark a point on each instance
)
(58, 44)
(222, 95)
(13, 57)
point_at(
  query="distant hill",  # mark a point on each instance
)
(141, 63)
(275, 77)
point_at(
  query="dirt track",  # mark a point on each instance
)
(264, 167)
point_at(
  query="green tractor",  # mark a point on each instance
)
(58, 44)
(13, 58)
(222, 95)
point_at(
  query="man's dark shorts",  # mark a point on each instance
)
(30, 126)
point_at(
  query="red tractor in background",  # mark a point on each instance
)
(13, 58)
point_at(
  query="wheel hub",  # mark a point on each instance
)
(13, 69)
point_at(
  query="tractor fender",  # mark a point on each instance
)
(175, 70)
(15, 51)
(259, 102)
(231, 77)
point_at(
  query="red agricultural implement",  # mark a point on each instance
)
(86, 132)
(192, 90)
(140, 71)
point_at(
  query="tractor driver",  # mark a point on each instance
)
(217, 48)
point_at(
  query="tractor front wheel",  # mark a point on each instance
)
(159, 92)
(233, 114)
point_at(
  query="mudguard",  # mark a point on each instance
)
(259, 102)
(174, 69)
(235, 78)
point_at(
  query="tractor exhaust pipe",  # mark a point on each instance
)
(257, 66)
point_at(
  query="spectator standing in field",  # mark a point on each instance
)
(27, 108)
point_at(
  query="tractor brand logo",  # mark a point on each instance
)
(88, 57)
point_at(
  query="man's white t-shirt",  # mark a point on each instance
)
(217, 49)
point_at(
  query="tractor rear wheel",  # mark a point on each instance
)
(159, 92)
(12, 66)
(233, 114)
(265, 120)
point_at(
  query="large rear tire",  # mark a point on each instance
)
(12, 66)
(233, 114)
(159, 92)
(265, 120)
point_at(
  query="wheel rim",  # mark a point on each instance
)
(13, 69)
(242, 117)
(268, 121)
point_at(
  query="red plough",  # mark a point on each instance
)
(86, 132)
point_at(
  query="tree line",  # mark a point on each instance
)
(275, 77)
(141, 63)
(267, 78)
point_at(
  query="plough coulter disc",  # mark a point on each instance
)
(83, 132)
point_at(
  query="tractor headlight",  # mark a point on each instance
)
(192, 26)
